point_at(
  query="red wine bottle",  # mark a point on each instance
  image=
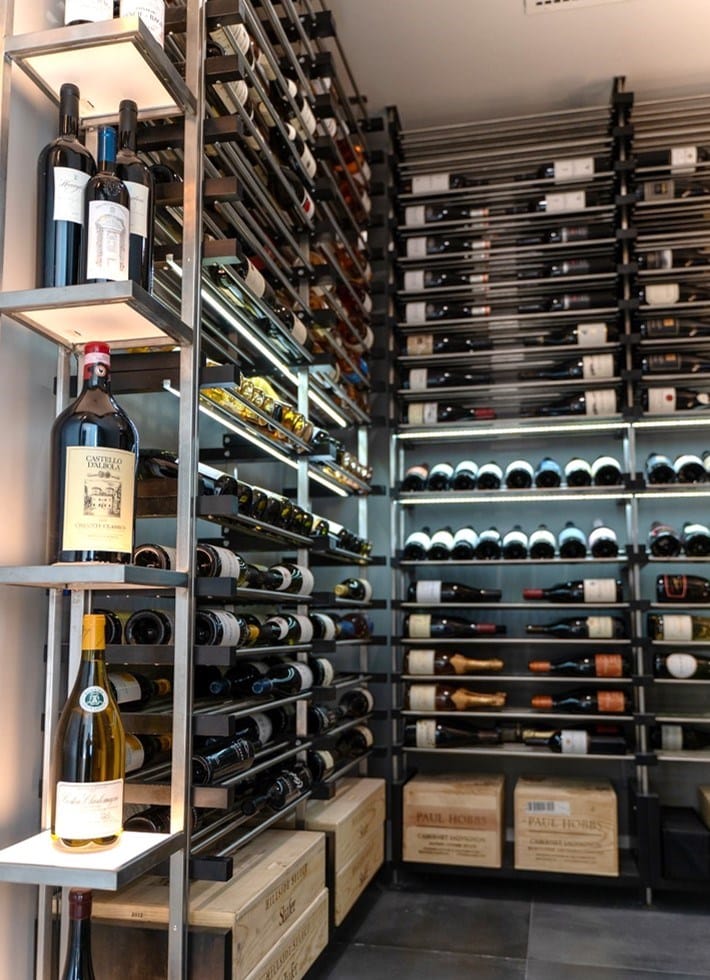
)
(418, 626)
(578, 473)
(588, 367)
(465, 475)
(415, 479)
(581, 590)
(695, 539)
(572, 542)
(663, 540)
(425, 344)
(418, 280)
(689, 468)
(429, 413)
(598, 402)
(660, 469)
(414, 313)
(437, 182)
(107, 216)
(583, 701)
(582, 627)
(669, 293)
(576, 742)
(426, 214)
(94, 449)
(660, 328)
(64, 168)
(665, 401)
(568, 234)
(139, 182)
(582, 335)
(426, 733)
(567, 302)
(548, 473)
(471, 248)
(420, 379)
(222, 758)
(672, 258)
(78, 964)
(595, 665)
(435, 592)
(286, 678)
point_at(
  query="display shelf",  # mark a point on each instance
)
(99, 576)
(37, 861)
(344, 682)
(121, 314)
(550, 495)
(700, 756)
(664, 718)
(497, 677)
(531, 606)
(508, 712)
(227, 589)
(204, 655)
(620, 559)
(224, 510)
(501, 640)
(319, 737)
(511, 750)
(496, 429)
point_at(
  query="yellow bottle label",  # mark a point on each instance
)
(98, 499)
(89, 811)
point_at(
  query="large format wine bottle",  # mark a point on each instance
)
(426, 733)
(92, 472)
(581, 590)
(576, 742)
(682, 588)
(78, 964)
(139, 182)
(583, 701)
(678, 626)
(595, 665)
(64, 168)
(88, 754)
(430, 662)
(420, 626)
(107, 217)
(588, 627)
(436, 592)
(440, 697)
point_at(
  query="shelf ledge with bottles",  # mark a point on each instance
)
(518, 751)
(98, 576)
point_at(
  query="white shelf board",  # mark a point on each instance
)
(90, 575)
(108, 61)
(121, 314)
(38, 861)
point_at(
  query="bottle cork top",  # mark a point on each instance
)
(80, 901)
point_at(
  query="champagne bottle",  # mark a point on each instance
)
(105, 245)
(587, 627)
(602, 541)
(518, 474)
(133, 691)
(141, 191)
(681, 627)
(548, 473)
(595, 665)
(430, 662)
(357, 589)
(695, 539)
(225, 757)
(682, 588)
(689, 468)
(64, 168)
(465, 544)
(435, 592)
(682, 666)
(606, 471)
(588, 367)
(420, 625)
(572, 542)
(427, 733)
(675, 738)
(415, 478)
(598, 402)
(665, 401)
(581, 590)
(541, 543)
(88, 754)
(465, 475)
(78, 964)
(440, 477)
(92, 472)
(576, 742)
(660, 469)
(514, 544)
(287, 678)
(663, 540)
(442, 542)
(578, 473)
(440, 697)
(583, 701)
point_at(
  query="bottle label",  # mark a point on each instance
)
(89, 10)
(681, 665)
(429, 413)
(88, 811)
(414, 280)
(599, 589)
(422, 697)
(420, 662)
(419, 626)
(135, 754)
(415, 216)
(565, 201)
(661, 401)
(429, 592)
(415, 313)
(230, 563)
(306, 629)
(419, 537)
(98, 499)
(327, 626)
(684, 158)
(443, 537)
(264, 727)
(305, 673)
(139, 195)
(608, 665)
(591, 334)
(69, 187)
(600, 627)
(611, 702)
(671, 738)
(107, 240)
(93, 699)
(578, 168)
(328, 671)
(602, 461)
(418, 378)
(466, 534)
(598, 366)
(231, 629)
(600, 402)
(151, 12)
(662, 294)
(675, 586)
(420, 471)
(254, 280)
(430, 183)
(574, 743)
(426, 733)
(416, 248)
(678, 628)
(367, 736)
(126, 688)
(420, 343)
(600, 533)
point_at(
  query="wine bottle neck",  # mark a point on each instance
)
(79, 946)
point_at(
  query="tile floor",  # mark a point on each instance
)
(449, 930)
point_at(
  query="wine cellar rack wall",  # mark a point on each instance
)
(552, 307)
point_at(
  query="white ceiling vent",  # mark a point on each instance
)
(544, 6)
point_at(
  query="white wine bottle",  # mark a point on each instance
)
(88, 758)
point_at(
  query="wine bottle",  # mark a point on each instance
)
(581, 590)
(606, 471)
(569, 268)
(151, 12)
(489, 546)
(426, 344)
(87, 11)
(415, 478)
(568, 234)
(354, 742)
(417, 280)
(518, 474)
(430, 662)
(597, 402)
(681, 627)
(582, 335)
(695, 539)
(426, 214)
(237, 681)
(420, 625)
(465, 475)
(435, 312)
(602, 541)
(660, 469)
(490, 476)
(568, 302)
(674, 738)
(154, 556)
(144, 749)
(215, 626)
(669, 293)
(437, 182)
(107, 216)
(427, 733)
(430, 413)
(576, 742)
(114, 623)
(287, 628)
(674, 363)
(440, 697)
(355, 626)
(578, 473)
(225, 757)
(356, 703)
(583, 701)
(419, 379)
(465, 544)
(663, 540)
(416, 545)
(132, 691)
(213, 561)
(660, 328)
(88, 754)
(141, 191)
(325, 626)
(665, 401)
(681, 159)
(435, 592)
(470, 248)
(682, 666)
(154, 626)
(572, 542)
(689, 468)
(78, 964)
(440, 477)
(64, 168)
(548, 473)
(587, 627)
(595, 665)
(541, 543)
(588, 367)
(514, 544)
(441, 544)
(287, 678)
(682, 588)
(289, 577)
(279, 789)
(92, 472)
(358, 589)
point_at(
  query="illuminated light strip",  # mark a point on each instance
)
(527, 498)
(669, 424)
(676, 494)
(511, 430)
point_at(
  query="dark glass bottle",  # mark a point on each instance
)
(660, 469)
(286, 678)
(465, 475)
(602, 541)
(572, 542)
(64, 168)
(279, 790)
(429, 413)
(578, 473)
(427, 733)
(514, 545)
(141, 190)
(541, 543)
(425, 344)
(107, 216)
(465, 544)
(583, 701)
(489, 546)
(663, 540)
(237, 681)
(222, 758)
(582, 335)
(78, 964)
(594, 665)
(548, 473)
(425, 626)
(415, 478)
(682, 588)
(440, 477)
(153, 626)
(666, 400)
(132, 691)
(436, 592)
(582, 590)
(606, 471)
(518, 474)
(695, 539)
(94, 448)
(581, 627)
(490, 476)
(576, 742)
(689, 468)
(589, 367)
(598, 402)
(441, 544)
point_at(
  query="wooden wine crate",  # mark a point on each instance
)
(353, 878)
(566, 825)
(299, 947)
(351, 817)
(277, 878)
(454, 819)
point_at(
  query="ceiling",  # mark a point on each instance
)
(447, 61)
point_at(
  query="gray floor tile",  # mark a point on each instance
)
(668, 943)
(460, 923)
(544, 970)
(357, 961)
